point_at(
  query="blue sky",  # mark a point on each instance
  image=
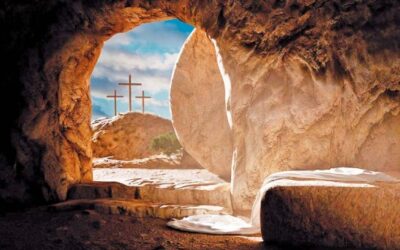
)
(148, 52)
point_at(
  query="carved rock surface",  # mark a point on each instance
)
(289, 118)
(136, 208)
(168, 186)
(332, 213)
(198, 106)
(180, 160)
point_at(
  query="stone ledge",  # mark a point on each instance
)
(168, 186)
(216, 194)
(137, 208)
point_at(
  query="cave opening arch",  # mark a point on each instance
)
(195, 86)
(57, 123)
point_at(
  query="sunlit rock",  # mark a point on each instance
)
(290, 117)
(179, 160)
(126, 141)
(128, 136)
(168, 186)
(198, 106)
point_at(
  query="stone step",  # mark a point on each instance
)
(194, 186)
(137, 208)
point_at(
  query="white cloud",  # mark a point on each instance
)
(153, 71)
(119, 39)
(149, 53)
(125, 61)
(158, 103)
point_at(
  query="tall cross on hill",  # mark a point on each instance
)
(115, 96)
(130, 84)
(143, 97)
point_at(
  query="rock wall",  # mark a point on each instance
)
(312, 93)
(124, 141)
(198, 106)
(314, 89)
(311, 84)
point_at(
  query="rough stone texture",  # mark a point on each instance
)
(170, 186)
(313, 90)
(128, 136)
(198, 106)
(332, 214)
(311, 83)
(124, 141)
(137, 208)
(181, 160)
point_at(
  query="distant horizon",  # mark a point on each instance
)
(124, 113)
(149, 53)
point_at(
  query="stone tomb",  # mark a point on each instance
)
(311, 208)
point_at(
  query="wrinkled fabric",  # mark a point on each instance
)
(214, 224)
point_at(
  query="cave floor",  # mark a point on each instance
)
(42, 229)
(87, 229)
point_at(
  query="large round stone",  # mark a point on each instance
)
(198, 106)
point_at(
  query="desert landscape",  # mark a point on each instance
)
(242, 125)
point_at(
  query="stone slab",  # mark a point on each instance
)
(332, 214)
(169, 186)
(181, 160)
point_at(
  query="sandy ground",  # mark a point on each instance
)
(39, 229)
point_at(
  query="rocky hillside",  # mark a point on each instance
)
(128, 136)
(127, 141)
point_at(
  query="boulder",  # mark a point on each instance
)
(198, 106)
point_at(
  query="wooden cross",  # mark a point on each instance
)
(130, 84)
(115, 96)
(143, 97)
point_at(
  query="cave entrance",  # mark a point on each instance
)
(50, 146)
(136, 148)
